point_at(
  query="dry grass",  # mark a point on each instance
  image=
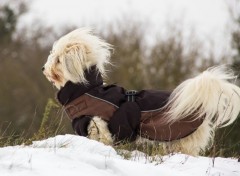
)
(50, 126)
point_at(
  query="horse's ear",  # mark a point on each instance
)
(75, 62)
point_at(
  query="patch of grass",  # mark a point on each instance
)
(150, 151)
(51, 125)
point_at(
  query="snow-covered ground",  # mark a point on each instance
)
(69, 155)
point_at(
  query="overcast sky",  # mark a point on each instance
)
(209, 18)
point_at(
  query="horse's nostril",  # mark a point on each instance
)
(43, 68)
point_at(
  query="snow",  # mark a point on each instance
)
(74, 155)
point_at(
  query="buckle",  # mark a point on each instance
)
(131, 94)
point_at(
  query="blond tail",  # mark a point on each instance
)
(211, 94)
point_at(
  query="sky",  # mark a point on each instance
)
(210, 19)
